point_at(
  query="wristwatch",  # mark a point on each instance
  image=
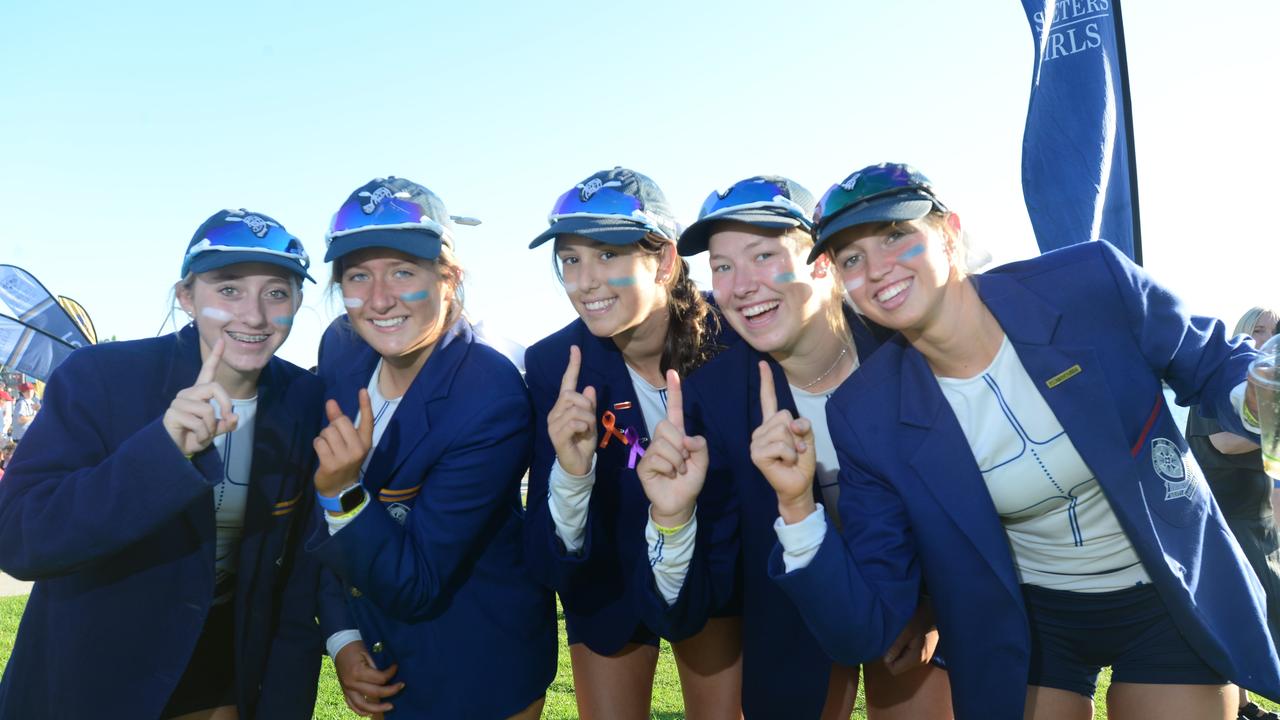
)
(346, 501)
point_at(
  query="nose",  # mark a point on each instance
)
(743, 282)
(878, 264)
(381, 298)
(254, 314)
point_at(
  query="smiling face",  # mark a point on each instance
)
(249, 306)
(898, 274)
(614, 288)
(764, 288)
(396, 302)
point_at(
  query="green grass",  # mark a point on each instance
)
(667, 703)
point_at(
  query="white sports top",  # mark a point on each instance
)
(1060, 526)
(229, 496)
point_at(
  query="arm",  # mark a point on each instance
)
(860, 588)
(73, 494)
(411, 571)
(1232, 444)
(1190, 352)
(678, 597)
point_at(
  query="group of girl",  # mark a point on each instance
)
(853, 457)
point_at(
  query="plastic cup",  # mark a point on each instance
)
(1264, 376)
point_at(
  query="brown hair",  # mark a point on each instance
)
(692, 324)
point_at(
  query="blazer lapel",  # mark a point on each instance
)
(604, 369)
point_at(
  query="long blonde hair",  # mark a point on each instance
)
(1250, 318)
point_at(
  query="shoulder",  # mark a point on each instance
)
(298, 384)
(128, 361)
(555, 347)
(877, 380)
(483, 368)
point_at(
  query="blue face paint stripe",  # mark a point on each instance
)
(414, 296)
(785, 277)
(283, 320)
(911, 252)
(621, 282)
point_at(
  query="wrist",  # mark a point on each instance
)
(670, 521)
(796, 509)
(342, 502)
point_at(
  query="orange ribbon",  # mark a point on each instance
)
(610, 431)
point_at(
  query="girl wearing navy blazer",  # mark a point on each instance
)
(157, 502)
(598, 391)
(1011, 452)
(797, 332)
(419, 480)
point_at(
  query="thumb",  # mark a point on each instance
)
(589, 392)
(332, 411)
(695, 444)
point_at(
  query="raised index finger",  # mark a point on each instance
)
(768, 396)
(570, 379)
(365, 427)
(210, 366)
(675, 401)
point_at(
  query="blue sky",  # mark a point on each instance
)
(124, 125)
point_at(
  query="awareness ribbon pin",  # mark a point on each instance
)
(632, 438)
(608, 420)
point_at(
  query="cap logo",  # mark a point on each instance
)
(593, 186)
(375, 197)
(851, 181)
(258, 226)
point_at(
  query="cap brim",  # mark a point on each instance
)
(697, 236)
(418, 243)
(891, 209)
(204, 262)
(609, 232)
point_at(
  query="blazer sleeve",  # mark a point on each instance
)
(1190, 352)
(411, 571)
(293, 660)
(713, 580)
(544, 551)
(72, 496)
(862, 587)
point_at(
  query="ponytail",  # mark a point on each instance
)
(693, 326)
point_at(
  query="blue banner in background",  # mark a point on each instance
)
(24, 299)
(1078, 173)
(29, 351)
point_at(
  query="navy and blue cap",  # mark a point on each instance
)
(767, 201)
(887, 192)
(230, 237)
(393, 213)
(615, 207)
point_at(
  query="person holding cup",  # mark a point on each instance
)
(1011, 452)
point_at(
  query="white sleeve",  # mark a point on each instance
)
(669, 555)
(341, 639)
(1237, 401)
(800, 542)
(568, 497)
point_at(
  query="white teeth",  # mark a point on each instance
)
(247, 338)
(892, 291)
(392, 322)
(599, 304)
(755, 310)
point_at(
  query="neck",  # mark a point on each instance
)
(398, 372)
(642, 346)
(963, 339)
(817, 356)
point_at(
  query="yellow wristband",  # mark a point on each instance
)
(1247, 414)
(671, 530)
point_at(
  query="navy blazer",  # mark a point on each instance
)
(1096, 335)
(597, 588)
(433, 572)
(116, 527)
(785, 670)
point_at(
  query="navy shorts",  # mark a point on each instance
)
(1074, 635)
(642, 635)
(209, 680)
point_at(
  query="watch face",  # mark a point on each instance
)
(352, 498)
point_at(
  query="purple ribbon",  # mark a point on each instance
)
(632, 438)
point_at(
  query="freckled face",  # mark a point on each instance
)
(763, 287)
(614, 288)
(250, 306)
(396, 302)
(898, 274)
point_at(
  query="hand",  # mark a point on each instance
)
(915, 644)
(572, 422)
(190, 419)
(675, 465)
(363, 684)
(782, 448)
(342, 447)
